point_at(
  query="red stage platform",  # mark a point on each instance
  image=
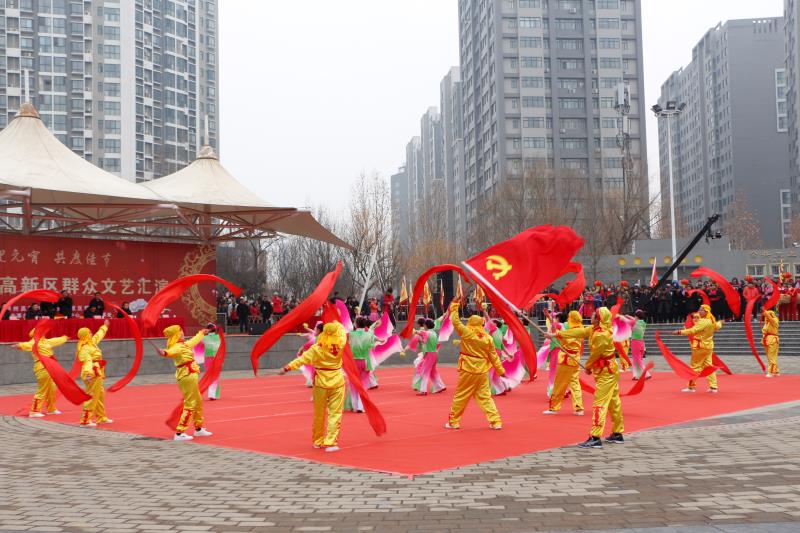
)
(273, 415)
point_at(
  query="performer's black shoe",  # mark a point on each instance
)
(615, 438)
(591, 442)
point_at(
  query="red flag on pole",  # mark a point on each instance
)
(522, 267)
(654, 275)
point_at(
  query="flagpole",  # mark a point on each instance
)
(483, 280)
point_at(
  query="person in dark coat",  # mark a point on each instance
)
(64, 305)
(243, 313)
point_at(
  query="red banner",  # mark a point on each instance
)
(121, 271)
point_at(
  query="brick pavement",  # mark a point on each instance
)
(739, 469)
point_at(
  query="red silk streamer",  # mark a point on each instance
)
(574, 288)
(637, 388)
(702, 293)
(137, 360)
(719, 363)
(173, 290)
(296, 317)
(621, 352)
(748, 329)
(416, 294)
(211, 375)
(680, 368)
(773, 298)
(40, 295)
(617, 306)
(374, 416)
(732, 297)
(65, 384)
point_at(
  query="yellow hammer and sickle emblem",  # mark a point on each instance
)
(498, 263)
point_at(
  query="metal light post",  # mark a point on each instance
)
(673, 109)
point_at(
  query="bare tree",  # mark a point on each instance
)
(741, 226)
(245, 263)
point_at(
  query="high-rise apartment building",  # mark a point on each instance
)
(399, 198)
(791, 15)
(452, 114)
(731, 140)
(127, 84)
(543, 82)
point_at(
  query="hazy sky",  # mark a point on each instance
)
(314, 93)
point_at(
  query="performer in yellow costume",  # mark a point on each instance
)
(46, 392)
(187, 373)
(702, 334)
(568, 370)
(93, 374)
(329, 385)
(602, 364)
(477, 356)
(771, 341)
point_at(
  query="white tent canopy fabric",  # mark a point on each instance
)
(49, 190)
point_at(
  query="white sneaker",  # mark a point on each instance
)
(317, 446)
(106, 421)
(688, 390)
(448, 426)
(202, 432)
(182, 436)
(769, 375)
(331, 449)
(35, 415)
(549, 412)
(579, 413)
(713, 391)
(497, 427)
(56, 412)
(89, 425)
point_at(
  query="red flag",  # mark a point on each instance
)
(520, 268)
(654, 275)
(137, 360)
(376, 420)
(731, 294)
(572, 290)
(211, 375)
(773, 298)
(297, 316)
(65, 384)
(172, 291)
(40, 295)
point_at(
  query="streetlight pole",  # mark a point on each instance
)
(673, 109)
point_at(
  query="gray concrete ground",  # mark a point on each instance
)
(738, 473)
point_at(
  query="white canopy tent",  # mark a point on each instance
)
(46, 189)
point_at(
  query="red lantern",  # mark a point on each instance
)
(598, 284)
(623, 283)
(685, 282)
(748, 278)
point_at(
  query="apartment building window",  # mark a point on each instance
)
(530, 42)
(610, 123)
(533, 122)
(574, 144)
(111, 14)
(607, 103)
(112, 108)
(575, 164)
(612, 162)
(530, 3)
(607, 43)
(780, 100)
(111, 33)
(111, 89)
(607, 4)
(573, 6)
(532, 82)
(530, 22)
(569, 44)
(533, 101)
(572, 103)
(571, 83)
(569, 24)
(113, 127)
(573, 124)
(111, 51)
(531, 62)
(608, 24)
(571, 64)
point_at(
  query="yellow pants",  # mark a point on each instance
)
(473, 386)
(606, 398)
(772, 358)
(96, 407)
(192, 403)
(567, 376)
(701, 358)
(45, 393)
(328, 402)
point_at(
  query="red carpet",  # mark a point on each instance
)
(273, 415)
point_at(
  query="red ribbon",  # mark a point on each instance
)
(574, 288)
(637, 388)
(173, 290)
(719, 363)
(679, 367)
(731, 295)
(65, 384)
(702, 293)
(137, 360)
(294, 318)
(748, 329)
(211, 375)
(774, 297)
(40, 295)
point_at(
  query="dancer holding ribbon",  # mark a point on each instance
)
(46, 391)
(93, 374)
(771, 341)
(702, 339)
